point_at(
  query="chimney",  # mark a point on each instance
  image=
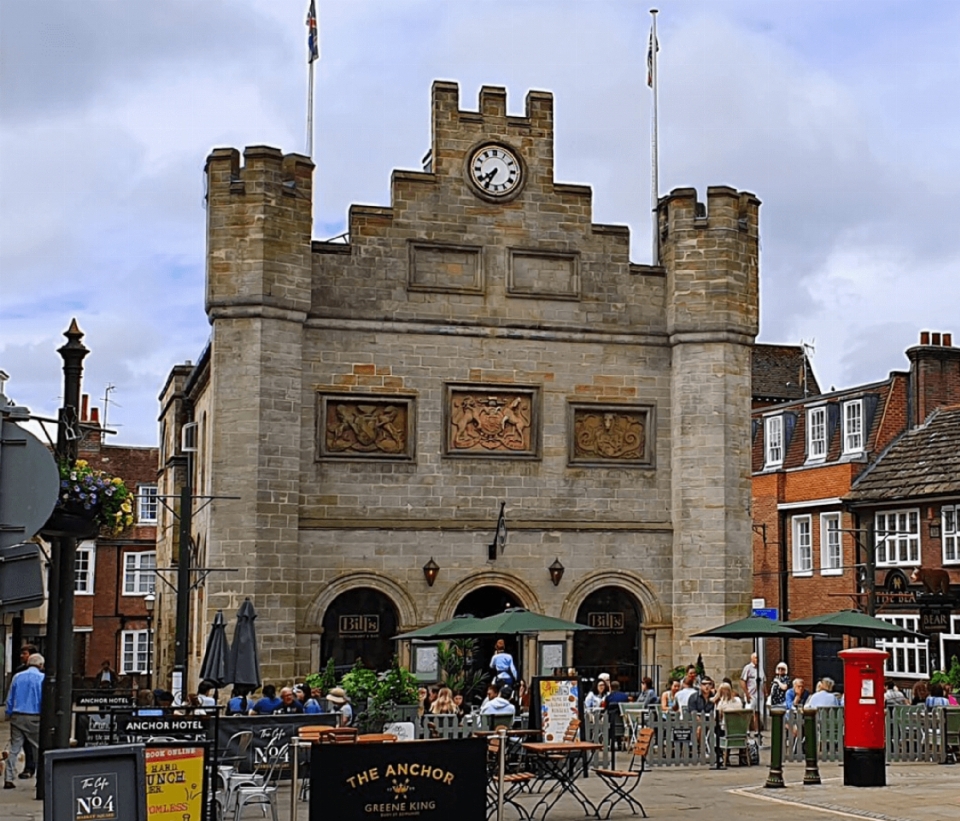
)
(934, 374)
(84, 404)
(95, 416)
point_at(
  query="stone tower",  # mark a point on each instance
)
(712, 261)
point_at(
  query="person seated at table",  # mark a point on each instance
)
(501, 705)
(145, 704)
(504, 671)
(444, 704)
(310, 702)
(797, 695)
(338, 698)
(594, 699)
(268, 703)
(492, 692)
(824, 696)
(702, 701)
(458, 703)
(289, 703)
(648, 696)
(668, 700)
(615, 698)
(238, 704)
(688, 687)
(726, 699)
(936, 697)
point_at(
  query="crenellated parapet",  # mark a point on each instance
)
(711, 253)
(259, 222)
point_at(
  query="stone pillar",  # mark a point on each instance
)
(711, 257)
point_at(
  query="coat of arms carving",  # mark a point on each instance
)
(615, 434)
(497, 422)
(365, 426)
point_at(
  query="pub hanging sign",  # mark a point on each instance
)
(935, 618)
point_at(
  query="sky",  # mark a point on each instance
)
(842, 116)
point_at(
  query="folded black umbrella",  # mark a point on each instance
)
(244, 667)
(217, 654)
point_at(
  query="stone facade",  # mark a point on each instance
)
(371, 404)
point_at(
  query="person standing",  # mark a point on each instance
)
(750, 686)
(779, 686)
(29, 762)
(23, 712)
(504, 671)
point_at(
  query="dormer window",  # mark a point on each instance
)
(853, 427)
(773, 440)
(817, 434)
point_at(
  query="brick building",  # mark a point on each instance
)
(114, 574)
(824, 489)
(369, 404)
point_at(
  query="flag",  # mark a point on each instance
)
(654, 45)
(313, 36)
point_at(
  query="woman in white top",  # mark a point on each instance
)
(726, 699)
(594, 700)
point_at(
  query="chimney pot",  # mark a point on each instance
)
(935, 340)
(95, 416)
(84, 403)
(948, 340)
(924, 337)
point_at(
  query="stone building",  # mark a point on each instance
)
(368, 405)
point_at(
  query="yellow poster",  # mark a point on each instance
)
(174, 783)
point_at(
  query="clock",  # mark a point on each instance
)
(495, 171)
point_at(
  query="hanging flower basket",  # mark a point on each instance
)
(89, 501)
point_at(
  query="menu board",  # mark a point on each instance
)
(556, 702)
(175, 779)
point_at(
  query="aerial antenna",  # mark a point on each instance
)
(106, 404)
(809, 349)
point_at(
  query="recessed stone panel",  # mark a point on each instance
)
(544, 274)
(610, 435)
(493, 421)
(362, 426)
(445, 268)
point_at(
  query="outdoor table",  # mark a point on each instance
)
(559, 762)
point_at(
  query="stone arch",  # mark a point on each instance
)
(487, 578)
(406, 608)
(629, 581)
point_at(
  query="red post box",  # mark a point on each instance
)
(864, 718)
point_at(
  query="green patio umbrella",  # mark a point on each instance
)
(457, 627)
(753, 627)
(855, 624)
(515, 620)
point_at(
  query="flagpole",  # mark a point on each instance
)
(654, 47)
(310, 111)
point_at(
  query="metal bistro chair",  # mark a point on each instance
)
(234, 754)
(261, 794)
(514, 780)
(951, 737)
(623, 783)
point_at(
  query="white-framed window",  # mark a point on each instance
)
(84, 567)
(853, 426)
(147, 504)
(802, 546)
(817, 434)
(134, 652)
(139, 577)
(898, 538)
(908, 657)
(950, 524)
(773, 440)
(831, 545)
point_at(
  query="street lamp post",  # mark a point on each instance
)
(149, 602)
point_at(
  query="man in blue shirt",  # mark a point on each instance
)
(23, 711)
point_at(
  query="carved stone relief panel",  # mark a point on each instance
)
(494, 420)
(611, 434)
(365, 426)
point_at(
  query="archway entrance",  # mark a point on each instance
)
(612, 644)
(359, 623)
(483, 602)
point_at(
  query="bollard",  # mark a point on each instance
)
(812, 773)
(775, 778)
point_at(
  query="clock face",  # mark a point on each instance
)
(495, 170)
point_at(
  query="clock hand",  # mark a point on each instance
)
(487, 179)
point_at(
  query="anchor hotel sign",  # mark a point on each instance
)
(429, 780)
